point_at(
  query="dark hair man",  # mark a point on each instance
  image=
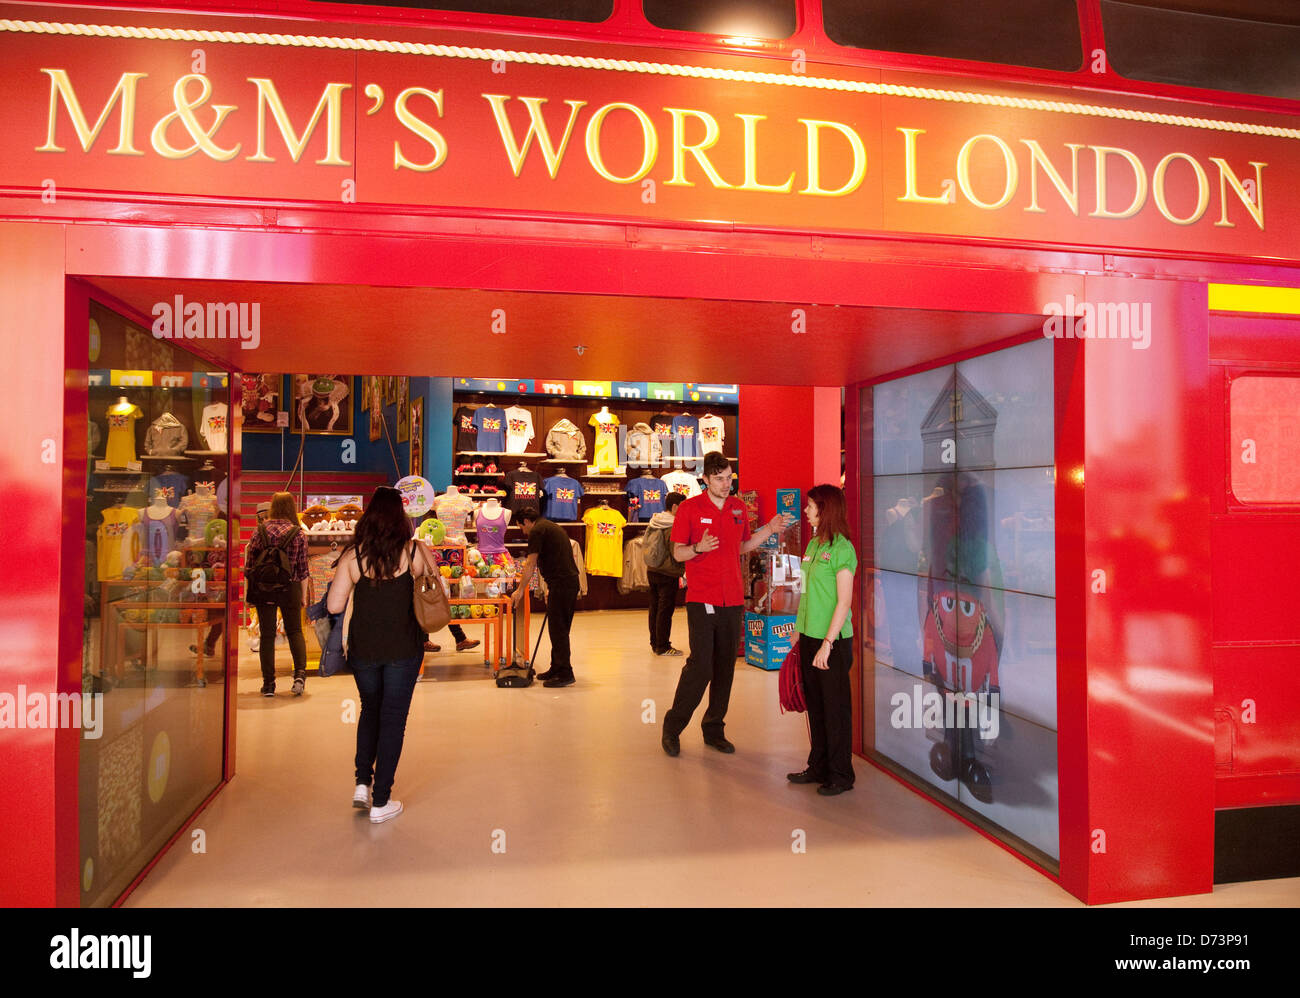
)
(549, 550)
(710, 533)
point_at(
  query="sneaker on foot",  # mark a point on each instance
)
(361, 796)
(390, 810)
(268, 689)
(673, 651)
(299, 684)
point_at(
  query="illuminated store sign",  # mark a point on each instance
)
(574, 135)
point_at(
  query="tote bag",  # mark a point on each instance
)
(432, 610)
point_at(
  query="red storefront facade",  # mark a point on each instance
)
(799, 225)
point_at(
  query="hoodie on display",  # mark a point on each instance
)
(565, 442)
(643, 446)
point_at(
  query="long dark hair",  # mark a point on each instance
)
(382, 534)
(832, 513)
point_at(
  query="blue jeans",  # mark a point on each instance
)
(385, 689)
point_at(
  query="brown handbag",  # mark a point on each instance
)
(432, 611)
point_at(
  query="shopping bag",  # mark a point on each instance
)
(790, 683)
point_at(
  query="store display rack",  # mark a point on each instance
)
(546, 412)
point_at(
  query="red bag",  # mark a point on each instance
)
(791, 683)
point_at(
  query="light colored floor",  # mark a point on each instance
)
(564, 797)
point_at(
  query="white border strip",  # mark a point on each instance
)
(632, 66)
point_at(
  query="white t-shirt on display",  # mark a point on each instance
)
(683, 482)
(519, 429)
(711, 434)
(212, 427)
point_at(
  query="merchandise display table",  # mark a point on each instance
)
(111, 609)
(152, 628)
(495, 627)
(502, 632)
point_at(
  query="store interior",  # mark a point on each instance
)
(596, 456)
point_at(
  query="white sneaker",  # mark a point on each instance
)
(254, 644)
(361, 796)
(390, 810)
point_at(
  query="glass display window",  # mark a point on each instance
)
(155, 598)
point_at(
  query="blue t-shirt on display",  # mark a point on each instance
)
(173, 486)
(686, 432)
(562, 495)
(491, 425)
(650, 493)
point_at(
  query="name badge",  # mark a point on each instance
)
(705, 519)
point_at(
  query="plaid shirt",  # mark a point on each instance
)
(297, 549)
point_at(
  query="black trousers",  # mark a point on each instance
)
(663, 601)
(561, 601)
(290, 607)
(712, 663)
(830, 710)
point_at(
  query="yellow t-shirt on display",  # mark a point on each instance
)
(604, 554)
(121, 434)
(606, 441)
(117, 541)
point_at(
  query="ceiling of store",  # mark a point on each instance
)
(445, 333)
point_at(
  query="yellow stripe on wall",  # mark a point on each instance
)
(1254, 298)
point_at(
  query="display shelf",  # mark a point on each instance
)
(208, 453)
(167, 457)
(498, 453)
(117, 471)
(479, 474)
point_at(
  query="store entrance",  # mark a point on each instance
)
(762, 378)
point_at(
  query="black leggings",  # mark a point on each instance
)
(290, 607)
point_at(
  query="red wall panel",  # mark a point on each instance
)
(1150, 676)
(38, 781)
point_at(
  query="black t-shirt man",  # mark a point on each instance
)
(549, 550)
(550, 544)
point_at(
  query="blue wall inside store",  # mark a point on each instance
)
(279, 451)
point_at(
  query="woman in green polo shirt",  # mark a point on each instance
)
(826, 642)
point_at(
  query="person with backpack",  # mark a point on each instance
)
(664, 573)
(374, 587)
(275, 569)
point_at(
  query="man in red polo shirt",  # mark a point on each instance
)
(710, 534)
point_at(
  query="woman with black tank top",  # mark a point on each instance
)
(375, 584)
